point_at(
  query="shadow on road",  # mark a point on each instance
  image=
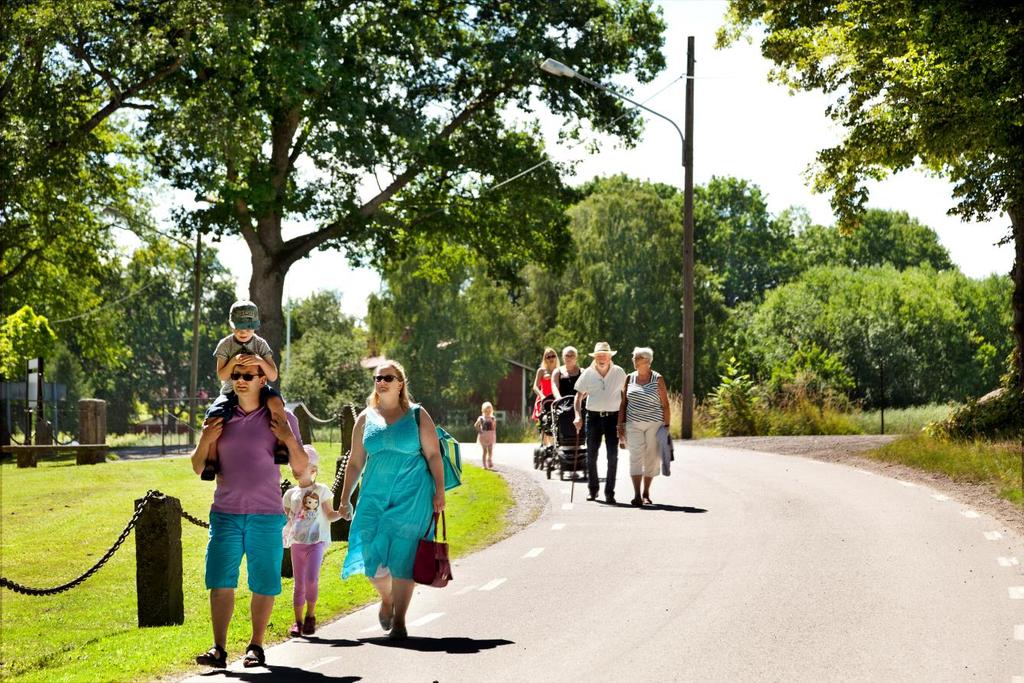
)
(281, 673)
(454, 646)
(332, 642)
(674, 508)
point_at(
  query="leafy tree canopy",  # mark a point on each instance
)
(285, 111)
(884, 237)
(323, 363)
(736, 237)
(936, 83)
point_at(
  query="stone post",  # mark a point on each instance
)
(92, 429)
(158, 562)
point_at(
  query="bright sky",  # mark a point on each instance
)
(744, 126)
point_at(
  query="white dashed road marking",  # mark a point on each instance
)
(567, 506)
(557, 527)
(939, 496)
(491, 585)
(426, 619)
(533, 552)
(1008, 561)
(567, 490)
(970, 514)
(906, 483)
(993, 535)
(370, 629)
(1016, 592)
(466, 590)
(322, 662)
(1018, 632)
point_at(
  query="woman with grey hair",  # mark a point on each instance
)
(643, 411)
(563, 379)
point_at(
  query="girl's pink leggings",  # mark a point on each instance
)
(306, 561)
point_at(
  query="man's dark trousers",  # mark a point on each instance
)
(602, 423)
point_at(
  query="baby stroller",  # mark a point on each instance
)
(572, 446)
(542, 455)
(569, 453)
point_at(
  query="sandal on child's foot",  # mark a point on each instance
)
(309, 626)
(295, 631)
(254, 656)
(216, 657)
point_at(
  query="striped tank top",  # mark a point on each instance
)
(643, 400)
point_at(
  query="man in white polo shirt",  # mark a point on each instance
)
(600, 386)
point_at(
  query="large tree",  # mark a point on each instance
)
(379, 124)
(936, 82)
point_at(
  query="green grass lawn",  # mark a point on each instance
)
(59, 518)
(997, 464)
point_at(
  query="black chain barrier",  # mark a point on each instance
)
(25, 590)
(195, 520)
(340, 474)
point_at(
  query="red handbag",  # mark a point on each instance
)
(431, 567)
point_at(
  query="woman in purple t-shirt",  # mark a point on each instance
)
(246, 517)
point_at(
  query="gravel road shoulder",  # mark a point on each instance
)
(848, 450)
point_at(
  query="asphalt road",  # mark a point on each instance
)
(751, 567)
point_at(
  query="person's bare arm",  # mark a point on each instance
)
(211, 431)
(298, 459)
(577, 404)
(225, 366)
(663, 395)
(356, 463)
(554, 383)
(269, 367)
(330, 513)
(432, 450)
(536, 382)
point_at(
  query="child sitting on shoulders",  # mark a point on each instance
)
(244, 355)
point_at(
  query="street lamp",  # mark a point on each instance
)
(556, 68)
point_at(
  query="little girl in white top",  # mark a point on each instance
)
(307, 533)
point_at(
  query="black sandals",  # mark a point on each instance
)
(254, 656)
(216, 657)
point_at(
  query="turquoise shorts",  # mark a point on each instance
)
(258, 537)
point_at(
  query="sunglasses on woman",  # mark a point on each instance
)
(248, 377)
(385, 378)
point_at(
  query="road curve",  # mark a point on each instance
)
(751, 567)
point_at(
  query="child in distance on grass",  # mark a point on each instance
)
(242, 353)
(487, 431)
(308, 533)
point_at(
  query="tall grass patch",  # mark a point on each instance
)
(997, 464)
(902, 420)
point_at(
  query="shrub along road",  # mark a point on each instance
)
(750, 566)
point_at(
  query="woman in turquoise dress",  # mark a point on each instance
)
(400, 491)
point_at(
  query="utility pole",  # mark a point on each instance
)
(688, 332)
(194, 376)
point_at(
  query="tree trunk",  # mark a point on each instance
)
(266, 287)
(1016, 213)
